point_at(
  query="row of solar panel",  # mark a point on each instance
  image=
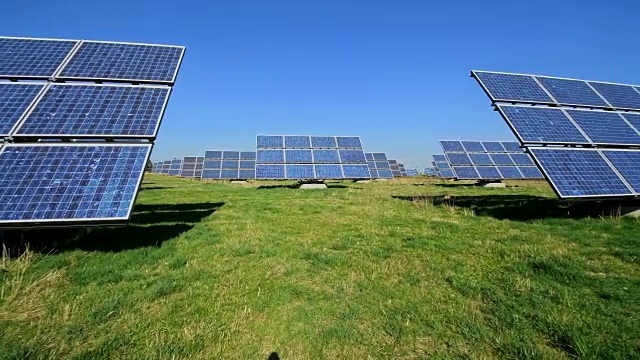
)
(324, 171)
(505, 87)
(480, 146)
(577, 172)
(376, 157)
(228, 164)
(298, 156)
(495, 172)
(229, 155)
(479, 159)
(69, 182)
(545, 125)
(308, 142)
(88, 60)
(81, 110)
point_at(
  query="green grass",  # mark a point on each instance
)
(380, 270)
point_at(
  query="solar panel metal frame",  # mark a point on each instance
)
(4, 224)
(58, 73)
(57, 70)
(17, 126)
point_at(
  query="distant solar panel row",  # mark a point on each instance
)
(88, 60)
(442, 167)
(308, 142)
(229, 164)
(480, 146)
(505, 87)
(379, 166)
(395, 169)
(308, 172)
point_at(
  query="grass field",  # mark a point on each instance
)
(380, 270)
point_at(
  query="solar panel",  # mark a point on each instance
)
(579, 173)
(188, 167)
(503, 159)
(124, 62)
(511, 146)
(466, 172)
(530, 172)
(447, 173)
(572, 92)
(380, 157)
(619, 96)
(451, 146)
(509, 172)
(542, 125)
(480, 159)
(97, 111)
(472, 146)
(176, 167)
(605, 127)
(380, 168)
(228, 164)
(310, 157)
(48, 183)
(627, 163)
(493, 146)
(166, 165)
(458, 159)
(488, 172)
(521, 159)
(633, 119)
(511, 87)
(32, 58)
(439, 157)
(15, 99)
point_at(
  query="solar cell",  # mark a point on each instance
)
(521, 159)
(627, 163)
(210, 173)
(465, 172)
(212, 164)
(371, 164)
(447, 173)
(348, 142)
(605, 127)
(298, 156)
(530, 172)
(480, 159)
(395, 162)
(230, 164)
(437, 158)
(619, 96)
(328, 171)
(229, 174)
(509, 172)
(503, 159)
(385, 174)
(326, 156)
(230, 155)
(380, 157)
(70, 183)
(488, 172)
(328, 142)
(15, 99)
(511, 87)
(541, 125)
(352, 156)
(213, 154)
(381, 165)
(472, 146)
(368, 156)
(124, 62)
(458, 159)
(299, 171)
(356, 171)
(579, 173)
(270, 156)
(511, 146)
(270, 141)
(633, 119)
(32, 58)
(572, 92)
(247, 155)
(96, 110)
(247, 174)
(270, 171)
(297, 142)
(374, 174)
(442, 165)
(493, 146)
(247, 164)
(451, 146)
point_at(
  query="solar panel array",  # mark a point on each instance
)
(310, 157)
(379, 166)
(412, 172)
(488, 160)
(229, 164)
(71, 181)
(442, 167)
(403, 171)
(599, 121)
(395, 168)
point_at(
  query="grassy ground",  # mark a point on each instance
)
(379, 270)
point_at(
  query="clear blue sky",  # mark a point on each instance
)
(395, 72)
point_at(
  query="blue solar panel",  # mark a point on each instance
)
(247, 164)
(61, 182)
(542, 125)
(32, 58)
(297, 142)
(447, 173)
(269, 171)
(579, 173)
(382, 165)
(512, 87)
(502, 159)
(572, 92)
(451, 146)
(472, 146)
(231, 155)
(349, 142)
(385, 174)
(324, 142)
(530, 172)
(299, 171)
(15, 99)
(493, 146)
(270, 141)
(270, 156)
(247, 155)
(210, 174)
(511, 146)
(619, 96)
(605, 127)
(212, 164)
(352, 156)
(380, 157)
(521, 159)
(633, 119)
(442, 165)
(356, 171)
(326, 156)
(488, 172)
(213, 154)
(371, 164)
(298, 156)
(328, 172)
(466, 172)
(437, 158)
(458, 159)
(509, 172)
(247, 174)
(368, 156)
(97, 110)
(127, 62)
(374, 174)
(628, 165)
(229, 174)
(230, 164)
(480, 159)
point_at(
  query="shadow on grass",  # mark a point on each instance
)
(520, 207)
(297, 186)
(154, 188)
(150, 225)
